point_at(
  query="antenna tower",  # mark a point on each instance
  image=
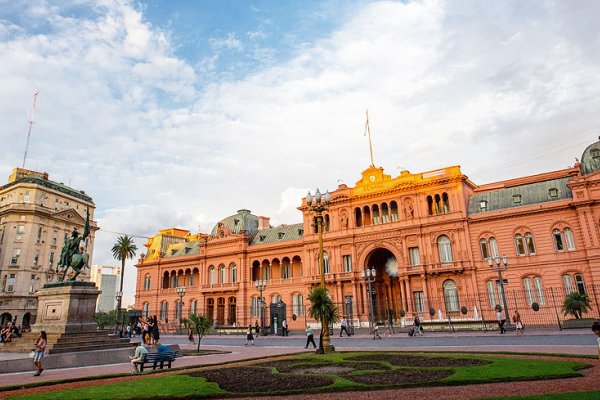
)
(31, 118)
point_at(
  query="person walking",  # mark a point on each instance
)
(155, 333)
(518, 323)
(310, 338)
(191, 339)
(40, 349)
(376, 332)
(344, 326)
(284, 328)
(249, 336)
(501, 321)
(256, 328)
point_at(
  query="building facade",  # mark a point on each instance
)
(107, 278)
(428, 236)
(36, 216)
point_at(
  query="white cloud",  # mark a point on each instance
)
(481, 85)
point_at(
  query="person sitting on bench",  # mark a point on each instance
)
(137, 356)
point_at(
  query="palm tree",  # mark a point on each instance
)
(122, 250)
(322, 309)
(200, 324)
(576, 304)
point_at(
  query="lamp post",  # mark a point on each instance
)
(318, 204)
(119, 296)
(180, 292)
(261, 285)
(499, 265)
(369, 277)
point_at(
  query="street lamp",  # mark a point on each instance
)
(180, 292)
(318, 204)
(369, 277)
(119, 296)
(500, 264)
(261, 285)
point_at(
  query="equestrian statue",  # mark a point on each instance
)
(72, 254)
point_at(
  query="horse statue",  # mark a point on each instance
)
(72, 255)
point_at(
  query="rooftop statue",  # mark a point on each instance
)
(72, 254)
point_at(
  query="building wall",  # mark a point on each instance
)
(420, 222)
(36, 215)
(107, 278)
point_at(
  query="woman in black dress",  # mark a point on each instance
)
(155, 334)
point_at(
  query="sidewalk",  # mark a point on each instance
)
(237, 354)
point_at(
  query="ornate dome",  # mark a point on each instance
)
(243, 220)
(590, 159)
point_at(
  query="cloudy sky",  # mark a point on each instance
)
(178, 113)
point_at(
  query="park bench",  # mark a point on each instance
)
(156, 358)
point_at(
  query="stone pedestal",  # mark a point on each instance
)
(66, 313)
(67, 307)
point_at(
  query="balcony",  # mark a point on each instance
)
(450, 266)
(220, 287)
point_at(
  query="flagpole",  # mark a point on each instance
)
(368, 130)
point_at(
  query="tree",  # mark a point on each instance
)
(576, 304)
(200, 325)
(122, 250)
(322, 309)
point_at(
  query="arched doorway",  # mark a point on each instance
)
(384, 290)
(26, 320)
(5, 318)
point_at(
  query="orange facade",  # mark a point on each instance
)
(428, 235)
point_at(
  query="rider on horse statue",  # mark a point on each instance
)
(71, 255)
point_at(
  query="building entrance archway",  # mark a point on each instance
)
(385, 291)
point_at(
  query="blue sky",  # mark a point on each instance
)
(177, 114)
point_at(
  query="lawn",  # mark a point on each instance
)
(309, 373)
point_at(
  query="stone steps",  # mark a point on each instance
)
(65, 343)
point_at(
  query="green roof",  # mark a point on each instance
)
(280, 233)
(242, 221)
(59, 187)
(522, 195)
(590, 159)
(182, 249)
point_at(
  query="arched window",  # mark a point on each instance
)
(255, 306)
(494, 247)
(165, 284)
(483, 245)
(326, 223)
(147, 282)
(173, 279)
(367, 216)
(194, 307)
(559, 244)
(385, 213)
(524, 245)
(177, 309)
(297, 304)
(376, 215)
(358, 217)
(491, 288)
(580, 283)
(537, 281)
(394, 211)
(429, 205)
(222, 275)
(326, 262)
(568, 281)
(212, 279)
(570, 241)
(520, 245)
(444, 249)
(535, 292)
(286, 270)
(276, 298)
(233, 269)
(146, 310)
(450, 295)
(530, 243)
(164, 311)
(445, 203)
